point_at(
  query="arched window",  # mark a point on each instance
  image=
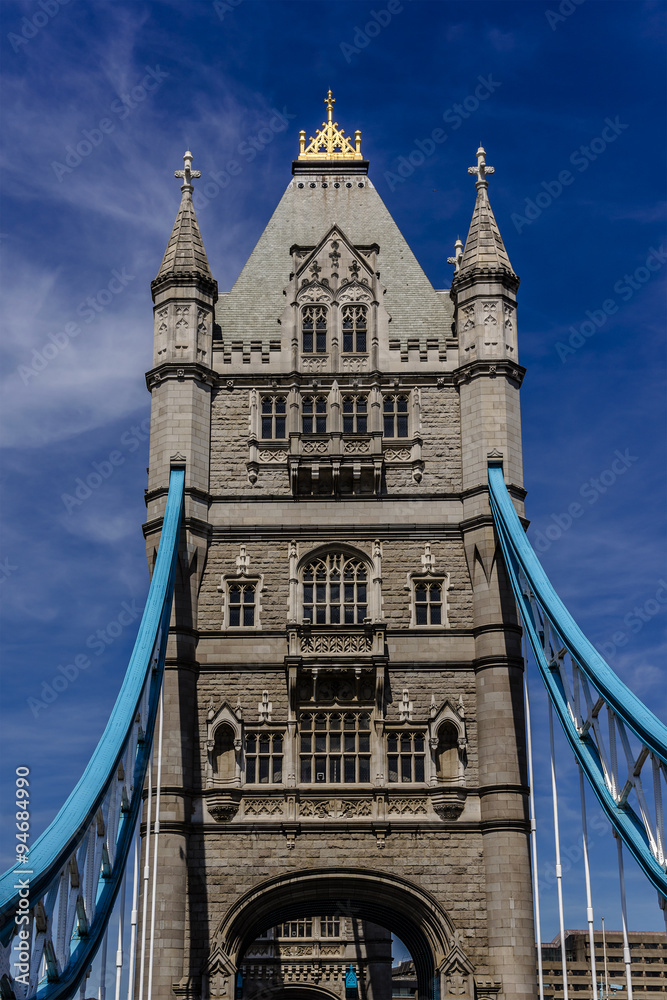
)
(335, 590)
(355, 414)
(447, 753)
(242, 604)
(314, 414)
(224, 761)
(354, 329)
(428, 602)
(274, 411)
(395, 412)
(314, 329)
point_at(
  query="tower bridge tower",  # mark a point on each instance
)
(343, 689)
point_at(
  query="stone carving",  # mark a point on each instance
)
(335, 808)
(490, 313)
(336, 643)
(357, 447)
(262, 807)
(223, 805)
(315, 447)
(449, 802)
(468, 317)
(312, 291)
(412, 806)
(274, 455)
(331, 949)
(313, 365)
(355, 292)
(355, 364)
(397, 455)
(406, 807)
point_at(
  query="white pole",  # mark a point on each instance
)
(119, 950)
(559, 870)
(102, 988)
(147, 871)
(134, 914)
(604, 952)
(624, 916)
(533, 834)
(587, 872)
(156, 838)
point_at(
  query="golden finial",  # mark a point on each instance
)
(329, 142)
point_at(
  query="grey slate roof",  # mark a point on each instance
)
(304, 216)
(185, 252)
(484, 245)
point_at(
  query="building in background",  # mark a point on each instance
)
(648, 954)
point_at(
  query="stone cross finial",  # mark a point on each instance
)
(458, 254)
(481, 170)
(188, 174)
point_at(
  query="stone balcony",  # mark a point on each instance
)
(336, 640)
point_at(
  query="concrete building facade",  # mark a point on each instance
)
(344, 733)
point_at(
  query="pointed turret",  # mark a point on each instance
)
(484, 246)
(184, 293)
(185, 256)
(483, 290)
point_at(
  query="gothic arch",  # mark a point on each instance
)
(372, 565)
(382, 898)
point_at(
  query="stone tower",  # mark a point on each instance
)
(344, 735)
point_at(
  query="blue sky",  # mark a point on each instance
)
(570, 107)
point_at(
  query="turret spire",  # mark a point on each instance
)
(185, 254)
(484, 246)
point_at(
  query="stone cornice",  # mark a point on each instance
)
(475, 275)
(171, 370)
(489, 369)
(185, 278)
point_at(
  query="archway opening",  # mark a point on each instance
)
(370, 905)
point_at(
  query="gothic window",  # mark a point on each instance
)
(354, 329)
(395, 411)
(314, 414)
(447, 753)
(335, 590)
(224, 759)
(264, 758)
(335, 747)
(428, 602)
(314, 329)
(355, 414)
(296, 928)
(406, 756)
(241, 597)
(274, 410)
(330, 926)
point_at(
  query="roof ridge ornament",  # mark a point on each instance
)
(188, 174)
(330, 142)
(481, 170)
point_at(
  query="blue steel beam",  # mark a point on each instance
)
(652, 733)
(51, 852)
